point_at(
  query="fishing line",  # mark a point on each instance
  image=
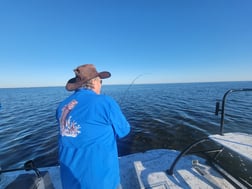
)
(130, 85)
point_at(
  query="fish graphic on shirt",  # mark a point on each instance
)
(69, 127)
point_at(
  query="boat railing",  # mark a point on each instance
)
(170, 171)
(223, 102)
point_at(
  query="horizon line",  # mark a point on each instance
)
(19, 87)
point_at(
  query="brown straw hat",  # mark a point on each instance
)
(83, 74)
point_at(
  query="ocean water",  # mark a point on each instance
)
(161, 116)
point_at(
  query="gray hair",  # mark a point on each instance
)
(89, 84)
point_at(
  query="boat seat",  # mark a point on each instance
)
(31, 181)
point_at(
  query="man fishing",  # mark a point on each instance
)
(89, 124)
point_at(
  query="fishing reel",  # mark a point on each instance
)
(29, 165)
(217, 108)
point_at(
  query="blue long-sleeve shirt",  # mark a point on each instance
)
(89, 124)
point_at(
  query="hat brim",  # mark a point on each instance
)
(104, 75)
(73, 84)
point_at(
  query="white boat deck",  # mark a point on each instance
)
(238, 142)
(143, 170)
(148, 170)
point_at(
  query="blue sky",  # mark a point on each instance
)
(155, 41)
